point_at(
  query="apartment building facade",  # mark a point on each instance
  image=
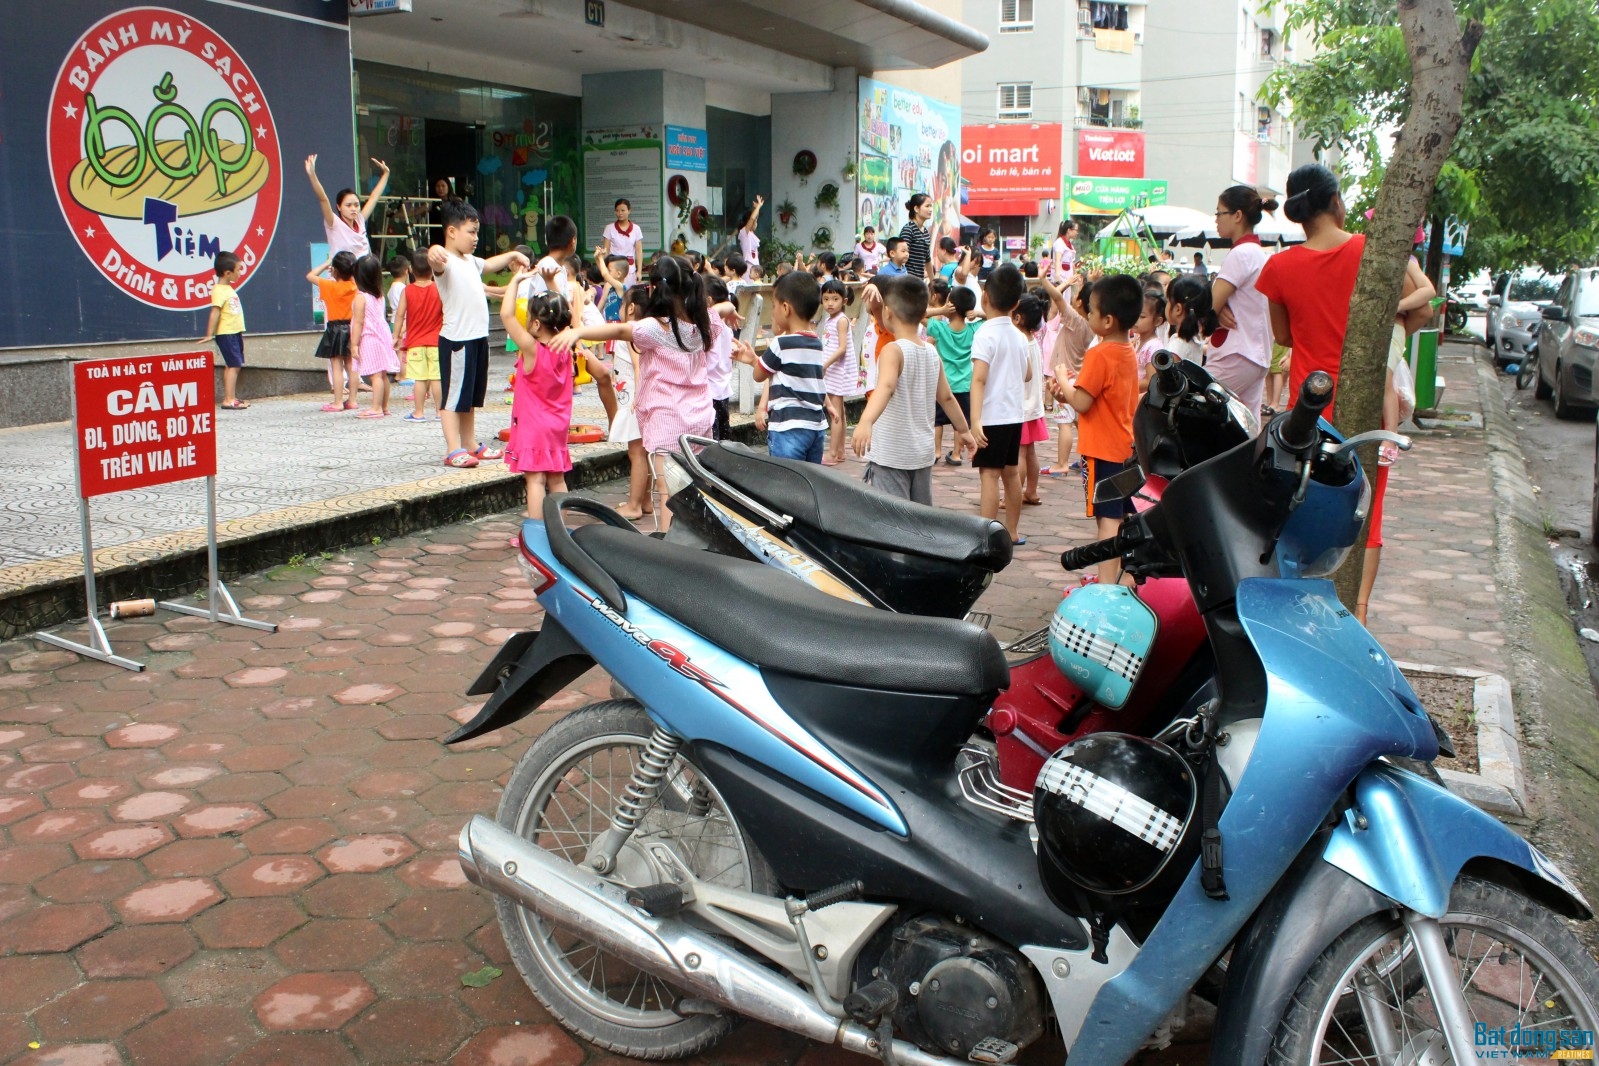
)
(1149, 102)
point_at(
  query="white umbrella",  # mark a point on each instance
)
(1160, 218)
(1273, 229)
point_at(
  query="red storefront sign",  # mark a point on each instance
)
(142, 422)
(1012, 161)
(1104, 153)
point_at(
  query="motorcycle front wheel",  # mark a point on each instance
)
(561, 796)
(1365, 1001)
(1528, 370)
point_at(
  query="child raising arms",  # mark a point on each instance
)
(541, 404)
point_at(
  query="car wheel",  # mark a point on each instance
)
(1564, 408)
(1542, 390)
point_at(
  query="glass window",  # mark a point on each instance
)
(1015, 16)
(1016, 99)
(513, 153)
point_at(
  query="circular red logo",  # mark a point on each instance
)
(163, 153)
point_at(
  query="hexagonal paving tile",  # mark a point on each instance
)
(168, 901)
(136, 951)
(271, 875)
(368, 693)
(248, 923)
(147, 806)
(100, 1009)
(521, 1045)
(366, 854)
(313, 1001)
(142, 735)
(121, 842)
(218, 818)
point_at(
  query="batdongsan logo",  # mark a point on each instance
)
(162, 153)
(1544, 1044)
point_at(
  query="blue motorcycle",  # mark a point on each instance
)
(790, 823)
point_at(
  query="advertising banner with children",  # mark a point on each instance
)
(142, 141)
(909, 143)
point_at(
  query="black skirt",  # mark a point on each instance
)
(335, 343)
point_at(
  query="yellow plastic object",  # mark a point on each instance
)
(580, 368)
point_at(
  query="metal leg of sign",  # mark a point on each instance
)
(219, 603)
(99, 646)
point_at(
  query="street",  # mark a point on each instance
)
(1560, 460)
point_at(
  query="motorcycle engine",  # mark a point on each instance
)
(958, 987)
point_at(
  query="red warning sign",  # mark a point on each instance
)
(146, 421)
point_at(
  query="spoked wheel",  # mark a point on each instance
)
(1365, 1000)
(1528, 371)
(562, 796)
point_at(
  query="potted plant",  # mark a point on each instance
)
(827, 197)
(804, 164)
(849, 166)
(786, 211)
(822, 238)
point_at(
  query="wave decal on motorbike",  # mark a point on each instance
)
(784, 729)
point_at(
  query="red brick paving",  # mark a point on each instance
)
(246, 854)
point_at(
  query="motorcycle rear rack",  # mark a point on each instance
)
(977, 771)
(1029, 644)
(777, 523)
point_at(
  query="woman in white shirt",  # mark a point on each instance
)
(1062, 255)
(1239, 351)
(749, 245)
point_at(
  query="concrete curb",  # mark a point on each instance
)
(1553, 694)
(1500, 784)
(42, 595)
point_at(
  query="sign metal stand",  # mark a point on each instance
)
(220, 605)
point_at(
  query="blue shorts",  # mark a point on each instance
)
(231, 345)
(1095, 472)
(802, 444)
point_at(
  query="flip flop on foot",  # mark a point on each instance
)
(371, 414)
(489, 452)
(333, 407)
(828, 460)
(236, 405)
(460, 459)
(1033, 502)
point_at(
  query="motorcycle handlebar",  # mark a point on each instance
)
(1297, 430)
(1100, 551)
(1172, 382)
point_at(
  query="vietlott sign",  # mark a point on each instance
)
(1110, 196)
(162, 153)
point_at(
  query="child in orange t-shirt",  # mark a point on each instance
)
(338, 294)
(1104, 395)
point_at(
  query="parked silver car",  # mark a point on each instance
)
(1568, 345)
(1510, 324)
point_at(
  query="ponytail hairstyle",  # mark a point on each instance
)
(838, 288)
(369, 276)
(715, 290)
(1311, 190)
(550, 310)
(1247, 199)
(342, 266)
(1155, 303)
(1193, 295)
(636, 303)
(677, 294)
(1030, 311)
(826, 263)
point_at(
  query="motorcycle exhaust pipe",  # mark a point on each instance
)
(581, 902)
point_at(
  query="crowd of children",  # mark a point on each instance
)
(1006, 355)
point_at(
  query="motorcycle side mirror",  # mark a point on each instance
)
(1120, 487)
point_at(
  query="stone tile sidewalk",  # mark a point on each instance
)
(246, 853)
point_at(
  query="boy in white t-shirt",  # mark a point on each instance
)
(999, 378)
(624, 237)
(464, 336)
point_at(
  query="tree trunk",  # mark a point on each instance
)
(1440, 50)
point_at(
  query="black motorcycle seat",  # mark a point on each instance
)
(773, 620)
(847, 508)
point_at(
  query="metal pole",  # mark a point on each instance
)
(214, 582)
(1443, 981)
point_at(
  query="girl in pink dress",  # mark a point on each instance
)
(673, 340)
(541, 400)
(370, 341)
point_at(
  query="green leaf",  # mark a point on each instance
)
(481, 978)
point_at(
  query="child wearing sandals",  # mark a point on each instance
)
(842, 378)
(541, 409)
(371, 344)
(337, 294)
(673, 339)
(1029, 318)
(624, 427)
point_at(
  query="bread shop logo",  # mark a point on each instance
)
(162, 154)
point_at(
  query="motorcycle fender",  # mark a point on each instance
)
(531, 668)
(1410, 839)
(1313, 904)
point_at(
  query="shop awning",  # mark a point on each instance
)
(1027, 208)
(865, 34)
